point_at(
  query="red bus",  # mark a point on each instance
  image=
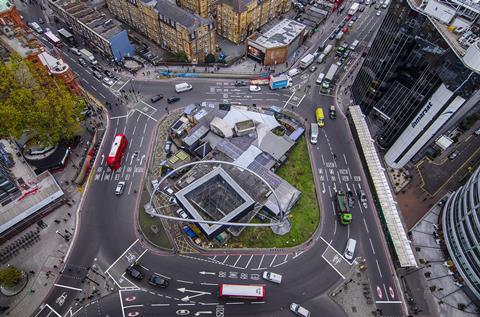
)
(114, 159)
(52, 38)
(242, 291)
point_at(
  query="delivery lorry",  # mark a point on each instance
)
(279, 82)
(88, 56)
(354, 8)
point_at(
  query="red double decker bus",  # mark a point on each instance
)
(236, 291)
(114, 159)
(52, 38)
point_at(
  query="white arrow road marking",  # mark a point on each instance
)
(198, 313)
(323, 188)
(141, 160)
(207, 273)
(197, 293)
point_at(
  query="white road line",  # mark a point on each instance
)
(122, 255)
(237, 260)
(182, 281)
(103, 96)
(248, 263)
(257, 302)
(333, 207)
(155, 305)
(210, 284)
(235, 303)
(273, 260)
(132, 306)
(168, 278)
(371, 244)
(124, 84)
(129, 188)
(378, 267)
(208, 304)
(147, 115)
(225, 259)
(385, 289)
(365, 222)
(68, 287)
(121, 299)
(388, 302)
(297, 254)
(259, 265)
(141, 141)
(345, 158)
(187, 304)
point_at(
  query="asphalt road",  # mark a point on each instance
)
(107, 235)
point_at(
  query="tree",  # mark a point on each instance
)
(10, 276)
(210, 58)
(181, 56)
(35, 103)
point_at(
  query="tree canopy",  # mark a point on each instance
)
(10, 276)
(37, 104)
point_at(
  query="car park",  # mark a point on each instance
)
(254, 88)
(108, 81)
(158, 281)
(120, 187)
(173, 99)
(97, 75)
(156, 98)
(134, 271)
(240, 83)
(82, 62)
(299, 310)
(272, 277)
(181, 213)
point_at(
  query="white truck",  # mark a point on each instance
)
(88, 56)
(354, 8)
(313, 133)
(307, 61)
(329, 77)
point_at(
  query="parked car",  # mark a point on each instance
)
(108, 73)
(134, 271)
(181, 213)
(97, 67)
(158, 281)
(41, 21)
(363, 198)
(156, 98)
(350, 199)
(350, 24)
(313, 68)
(254, 88)
(82, 62)
(378, 13)
(299, 310)
(168, 191)
(119, 189)
(173, 99)
(272, 277)
(168, 147)
(477, 132)
(240, 83)
(75, 51)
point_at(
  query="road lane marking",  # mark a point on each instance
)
(237, 260)
(388, 302)
(371, 244)
(132, 306)
(168, 278)
(182, 281)
(378, 267)
(155, 305)
(122, 255)
(366, 228)
(248, 263)
(209, 284)
(235, 303)
(273, 260)
(386, 293)
(261, 261)
(225, 259)
(68, 287)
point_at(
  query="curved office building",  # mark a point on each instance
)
(461, 227)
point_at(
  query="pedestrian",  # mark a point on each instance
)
(32, 272)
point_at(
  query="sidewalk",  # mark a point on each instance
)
(43, 261)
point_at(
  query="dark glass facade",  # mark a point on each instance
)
(406, 63)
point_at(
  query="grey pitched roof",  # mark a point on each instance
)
(169, 10)
(237, 5)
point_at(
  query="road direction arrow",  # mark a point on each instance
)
(207, 273)
(198, 313)
(141, 160)
(183, 290)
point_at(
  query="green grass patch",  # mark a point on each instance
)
(304, 216)
(160, 239)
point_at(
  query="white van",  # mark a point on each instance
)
(328, 49)
(354, 45)
(320, 78)
(313, 133)
(350, 249)
(183, 87)
(321, 58)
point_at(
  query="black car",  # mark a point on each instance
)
(97, 68)
(109, 73)
(350, 199)
(97, 75)
(133, 271)
(158, 281)
(240, 83)
(173, 99)
(156, 98)
(332, 36)
(82, 62)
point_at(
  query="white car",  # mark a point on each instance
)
(181, 213)
(299, 310)
(168, 191)
(108, 81)
(378, 13)
(254, 88)
(293, 72)
(119, 189)
(272, 277)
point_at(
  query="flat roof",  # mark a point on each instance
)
(6, 5)
(281, 34)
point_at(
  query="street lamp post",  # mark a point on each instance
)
(61, 235)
